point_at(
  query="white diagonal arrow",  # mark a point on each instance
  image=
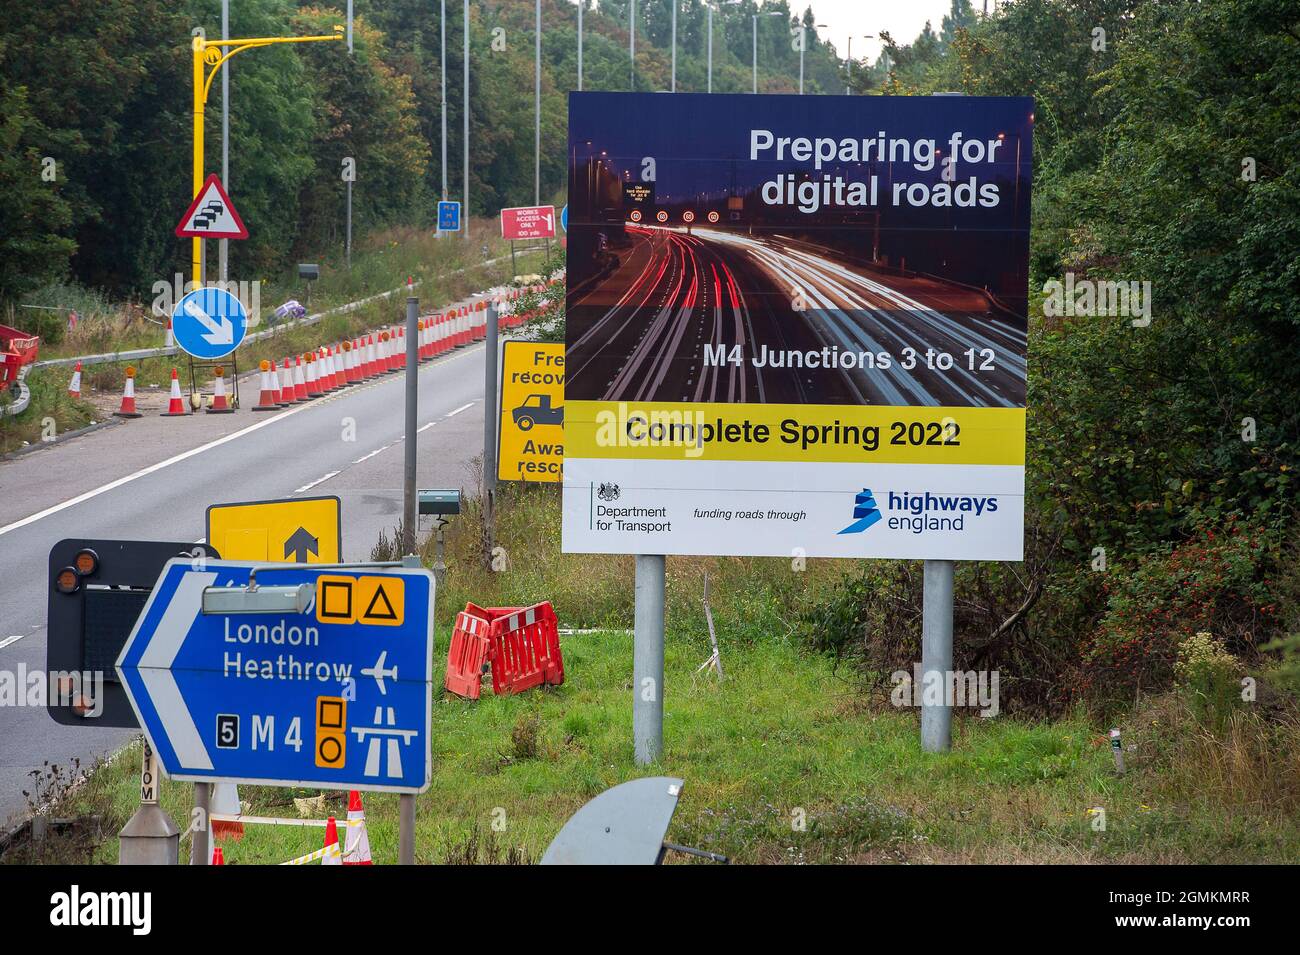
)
(219, 332)
(156, 673)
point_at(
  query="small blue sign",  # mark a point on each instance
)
(209, 323)
(448, 216)
(564, 218)
(336, 697)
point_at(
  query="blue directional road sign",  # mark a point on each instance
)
(338, 696)
(209, 323)
(448, 216)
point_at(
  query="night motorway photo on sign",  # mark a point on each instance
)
(824, 250)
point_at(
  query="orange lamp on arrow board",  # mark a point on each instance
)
(307, 530)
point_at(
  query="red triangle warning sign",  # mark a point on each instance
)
(211, 215)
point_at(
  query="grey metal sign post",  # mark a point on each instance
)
(648, 659)
(936, 654)
(410, 514)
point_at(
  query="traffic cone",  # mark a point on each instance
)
(128, 397)
(286, 383)
(218, 857)
(331, 839)
(299, 382)
(176, 404)
(331, 369)
(339, 360)
(74, 386)
(356, 843)
(399, 345)
(313, 376)
(354, 362)
(225, 802)
(372, 357)
(219, 403)
(268, 399)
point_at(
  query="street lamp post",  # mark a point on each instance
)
(580, 3)
(848, 63)
(443, 90)
(464, 212)
(803, 45)
(537, 108)
(631, 46)
(710, 8)
(215, 54)
(773, 13)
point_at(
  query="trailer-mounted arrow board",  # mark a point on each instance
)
(212, 215)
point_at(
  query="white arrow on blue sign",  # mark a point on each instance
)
(209, 323)
(287, 699)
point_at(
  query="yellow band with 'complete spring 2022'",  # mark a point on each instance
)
(661, 430)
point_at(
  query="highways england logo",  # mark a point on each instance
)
(865, 512)
(920, 513)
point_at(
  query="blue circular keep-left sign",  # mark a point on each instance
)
(209, 323)
(564, 218)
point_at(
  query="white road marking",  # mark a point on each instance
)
(184, 456)
(8, 640)
(151, 469)
(425, 427)
(450, 414)
(319, 480)
(367, 457)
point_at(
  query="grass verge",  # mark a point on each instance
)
(788, 760)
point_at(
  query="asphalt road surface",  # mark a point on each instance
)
(642, 329)
(152, 478)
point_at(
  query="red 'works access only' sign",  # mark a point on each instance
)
(528, 222)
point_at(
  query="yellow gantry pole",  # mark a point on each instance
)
(209, 52)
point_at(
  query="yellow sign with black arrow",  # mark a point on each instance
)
(306, 530)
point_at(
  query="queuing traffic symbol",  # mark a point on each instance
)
(212, 215)
(528, 222)
(304, 530)
(209, 323)
(448, 216)
(282, 697)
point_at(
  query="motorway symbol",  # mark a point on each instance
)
(300, 544)
(211, 215)
(448, 216)
(275, 698)
(209, 323)
(302, 530)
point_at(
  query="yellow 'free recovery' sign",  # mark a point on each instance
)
(306, 530)
(530, 446)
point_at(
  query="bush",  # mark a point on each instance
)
(1217, 582)
(1207, 674)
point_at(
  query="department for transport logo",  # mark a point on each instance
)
(608, 492)
(865, 512)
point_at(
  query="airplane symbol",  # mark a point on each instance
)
(378, 672)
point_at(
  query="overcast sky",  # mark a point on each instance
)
(904, 19)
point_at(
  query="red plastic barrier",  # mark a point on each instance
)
(525, 648)
(467, 653)
(522, 644)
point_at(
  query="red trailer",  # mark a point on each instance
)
(17, 348)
